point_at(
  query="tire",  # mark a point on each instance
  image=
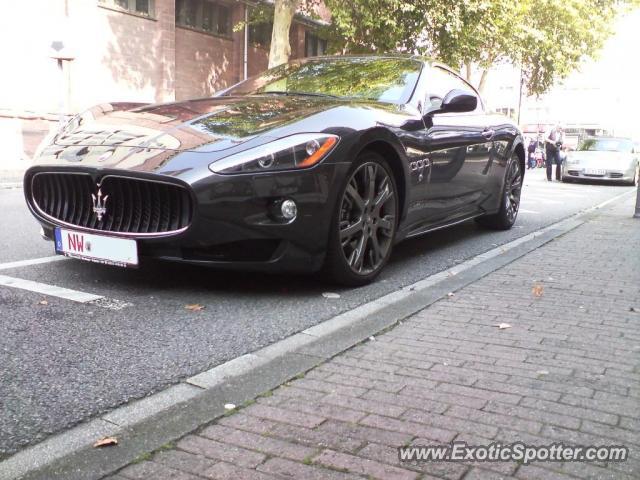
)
(510, 199)
(364, 223)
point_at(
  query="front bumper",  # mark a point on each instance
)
(235, 223)
(607, 175)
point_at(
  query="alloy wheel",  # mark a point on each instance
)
(367, 219)
(513, 189)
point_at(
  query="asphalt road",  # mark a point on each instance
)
(64, 362)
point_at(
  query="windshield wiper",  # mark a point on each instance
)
(304, 94)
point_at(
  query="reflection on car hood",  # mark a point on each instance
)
(206, 125)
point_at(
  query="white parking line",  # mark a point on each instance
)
(32, 261)
(46, 289)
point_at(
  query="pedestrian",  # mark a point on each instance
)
(553, 141)
(531, 153)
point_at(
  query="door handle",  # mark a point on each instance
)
(488, 133)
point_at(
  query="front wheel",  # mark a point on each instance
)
(510, 203)
(363, 224)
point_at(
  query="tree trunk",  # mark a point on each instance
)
(468, 71)
(483, 81)
(280, 46)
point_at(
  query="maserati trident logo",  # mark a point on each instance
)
(99, 204)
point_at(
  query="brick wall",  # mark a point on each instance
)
(203, 63)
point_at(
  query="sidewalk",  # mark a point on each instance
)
(566, 370)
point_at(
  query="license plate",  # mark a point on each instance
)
(594, 171)
(120, 252)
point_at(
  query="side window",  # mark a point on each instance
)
(440, 82)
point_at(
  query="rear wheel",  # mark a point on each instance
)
(510, 204)
(364, 223)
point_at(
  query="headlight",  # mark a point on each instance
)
(289, 153)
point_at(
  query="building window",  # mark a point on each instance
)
(141, 7)
(314, 45)
(208, 16)
(260, 34)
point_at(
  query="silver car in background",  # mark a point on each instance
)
(610, 159)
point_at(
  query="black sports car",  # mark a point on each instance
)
(320, 164)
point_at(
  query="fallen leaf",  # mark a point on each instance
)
(372, 338)
(634, 309)
(229, 406)
(43, 302)
(537, 290)
(194, 307)
(450, 294)
(106, 442)
(331, 295)
(502, 326)
(542, 372)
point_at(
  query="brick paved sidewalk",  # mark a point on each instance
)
(566, 370)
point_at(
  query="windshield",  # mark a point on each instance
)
(606, 145)
(390, 80)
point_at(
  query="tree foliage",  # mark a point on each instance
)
(562, 34)
(361, 26)
(547, 38)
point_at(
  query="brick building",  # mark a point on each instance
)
(132, 50)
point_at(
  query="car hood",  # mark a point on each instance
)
(204, 125)
(597, 159)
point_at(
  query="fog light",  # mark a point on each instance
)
(289, 209)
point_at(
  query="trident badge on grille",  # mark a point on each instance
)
(99, 204)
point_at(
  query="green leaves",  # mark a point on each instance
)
(547, 38)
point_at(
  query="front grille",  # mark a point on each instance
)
(616, 175)
(133, 206)
(574, 172)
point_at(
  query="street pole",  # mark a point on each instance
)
(637, 214)
(61, 54)
(63, 94)
(520, 97)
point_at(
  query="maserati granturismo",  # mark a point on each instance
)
(320, 165)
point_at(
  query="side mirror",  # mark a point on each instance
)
(458, 101)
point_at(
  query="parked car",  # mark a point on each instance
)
(610, 159)
(320, 164)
